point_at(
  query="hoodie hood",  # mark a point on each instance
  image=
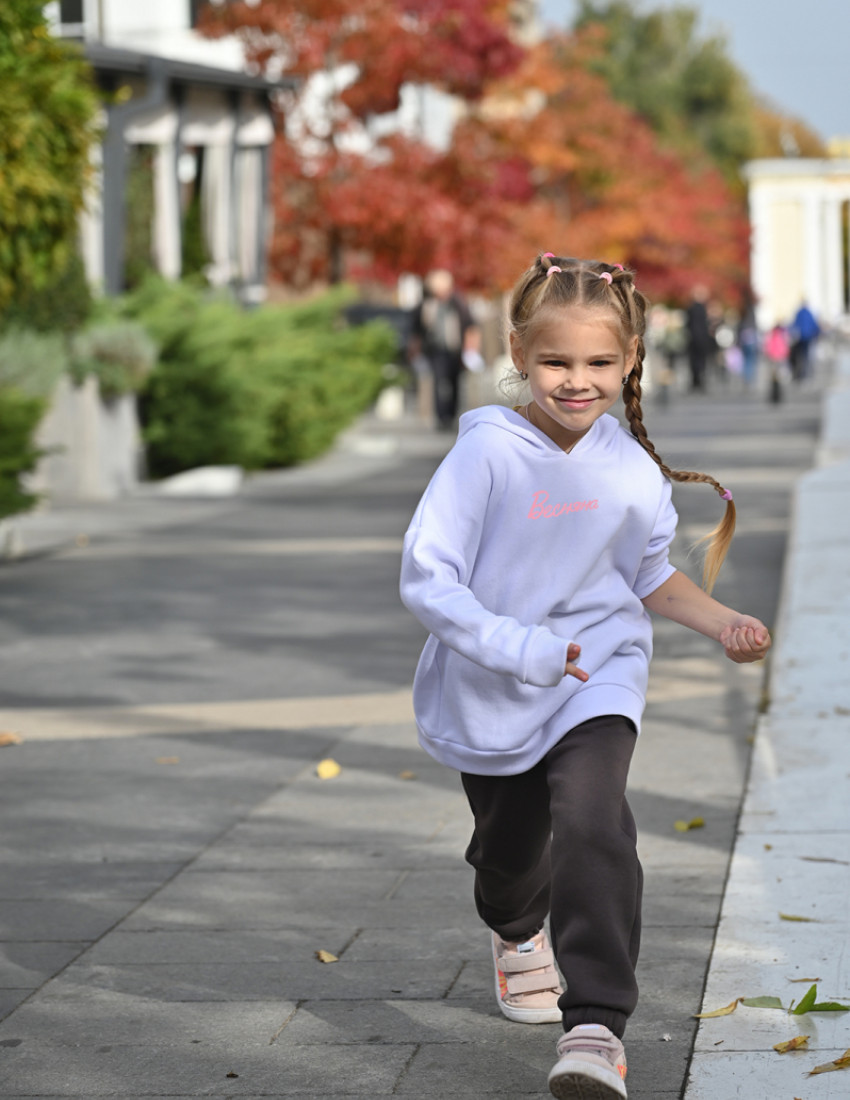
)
(509, 420)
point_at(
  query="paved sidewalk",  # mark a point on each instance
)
(175, 866)
(785, 923)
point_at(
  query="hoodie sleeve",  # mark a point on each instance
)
(437, 563)
(655, 567)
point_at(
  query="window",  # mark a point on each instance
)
(71, 11)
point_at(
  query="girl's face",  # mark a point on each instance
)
(576, 364)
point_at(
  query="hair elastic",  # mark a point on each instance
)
(727, 494)
(607, 276)
(618, 266)
(548, 255)
(552, 270)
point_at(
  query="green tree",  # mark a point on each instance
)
(48, 105)
(685, 86)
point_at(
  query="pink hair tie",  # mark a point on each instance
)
(619, 266)
(607, 276)
(552, 270)
(727, 494)
(548, 255)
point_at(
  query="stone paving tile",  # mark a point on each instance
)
(294, 980)
(64, 920)
(71, 879)
(65, 1014)
(197, 946)
(25, 963)
(143, 1069)
(503, 1068)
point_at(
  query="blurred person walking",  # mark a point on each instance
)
(747, 339)
(805, 330)
(777, 349)
(441, 332)
(701, 343)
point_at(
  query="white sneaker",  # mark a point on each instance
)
(527, 983)
(591, 1065)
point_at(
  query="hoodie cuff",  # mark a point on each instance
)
(546, 660)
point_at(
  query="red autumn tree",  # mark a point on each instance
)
(603, 185)
(353, 193)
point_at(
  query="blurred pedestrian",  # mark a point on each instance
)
(805, 331)
(747, 339)
(542, 537)
(701, 343)
(442, 331)
(777, 348)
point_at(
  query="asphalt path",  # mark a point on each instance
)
(169, 861)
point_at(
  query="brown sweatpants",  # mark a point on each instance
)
(560, 840)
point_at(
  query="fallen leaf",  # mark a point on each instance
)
(326, 957)
(727, 1011)
(761, 1002)
(9, 738)
(328, 769)
(804, 979)
(168, 760)
(791, 1044)
(407, 775)
(231, 1074)
(685, 826)
(810, 1003)
(840, 1063)
(800, 920)
(825, 859)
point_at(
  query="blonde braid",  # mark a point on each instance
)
(718, 539)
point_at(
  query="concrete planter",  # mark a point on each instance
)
(95, 448)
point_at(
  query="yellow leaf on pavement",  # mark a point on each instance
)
(840, 1063)
(800, 920)
(9, 738)
(326, 957)
(328, 769)
(407, 775)
(685, 826)
(791, 1044)
(727, 1011)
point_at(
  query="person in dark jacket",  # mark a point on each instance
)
(442, 330)
(701, 343)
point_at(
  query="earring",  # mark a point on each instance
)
(625, 379)
(523, 375)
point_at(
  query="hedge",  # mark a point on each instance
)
(267, 387)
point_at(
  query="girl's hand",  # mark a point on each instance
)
(573, 653)
(745, 640)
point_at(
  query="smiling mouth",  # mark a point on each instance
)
(575, 402)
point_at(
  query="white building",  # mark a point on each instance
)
(800, 251)
(205, 124)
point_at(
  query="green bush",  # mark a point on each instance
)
(20, 414)
(120, 355)
(32, 362)
(268, 387)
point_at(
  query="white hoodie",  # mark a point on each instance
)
(517, 549)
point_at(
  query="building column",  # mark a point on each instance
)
(833, 260)
(761, 259)
(812, 250)
(167, 230)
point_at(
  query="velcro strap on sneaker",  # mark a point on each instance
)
(531, 983)
(518, 964)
